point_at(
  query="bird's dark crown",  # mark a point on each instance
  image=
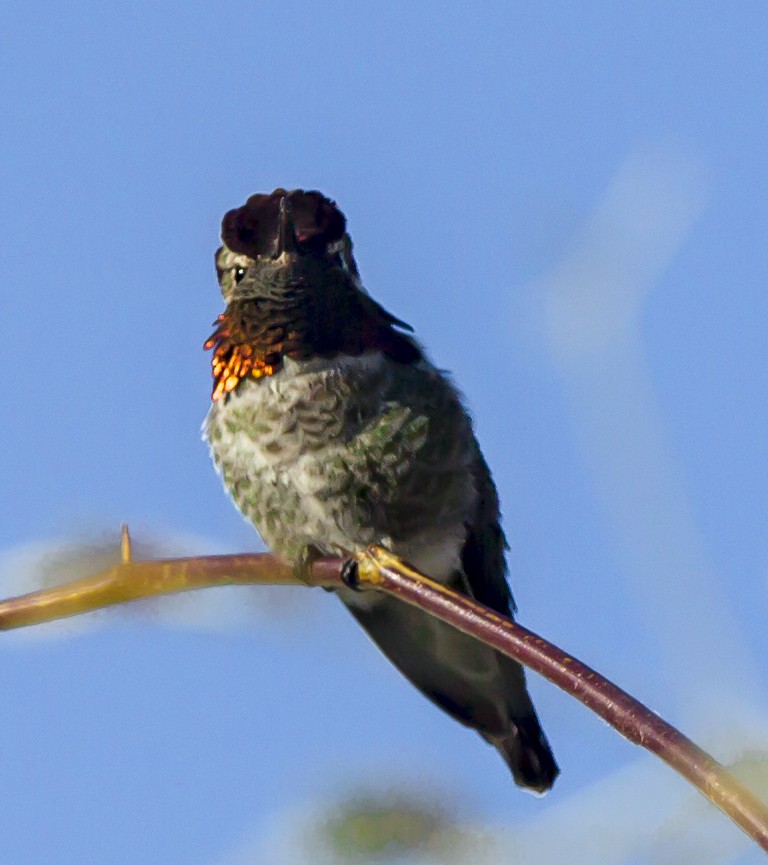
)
(253, 229)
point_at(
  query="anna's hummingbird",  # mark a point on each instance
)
(332, 430)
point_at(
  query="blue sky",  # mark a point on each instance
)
(569, 203)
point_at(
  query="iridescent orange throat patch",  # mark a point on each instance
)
(252, 337)
(235, 359)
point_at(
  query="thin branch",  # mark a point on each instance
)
(623, 712)
(131, 581)
(379, 570)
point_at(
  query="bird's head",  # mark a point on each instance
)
(292, 289)
(280, 240)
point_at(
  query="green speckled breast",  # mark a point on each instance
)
(340, 454)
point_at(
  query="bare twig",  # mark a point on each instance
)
(131, 581)
(379, 570)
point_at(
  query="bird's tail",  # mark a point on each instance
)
(527, 753)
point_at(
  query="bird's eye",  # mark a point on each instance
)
(239, 273)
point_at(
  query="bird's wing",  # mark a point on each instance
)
(482, 556)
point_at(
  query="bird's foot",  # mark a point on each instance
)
(302, 565)
(350, 575)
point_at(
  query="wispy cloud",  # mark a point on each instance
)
(592, 331)
(628, 816)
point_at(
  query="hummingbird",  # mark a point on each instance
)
(332, 430)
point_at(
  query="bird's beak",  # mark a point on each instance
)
(286, 236)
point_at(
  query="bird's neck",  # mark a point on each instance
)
(253, 336)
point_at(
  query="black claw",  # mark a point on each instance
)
(350, 575)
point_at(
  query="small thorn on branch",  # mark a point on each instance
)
(125, 544)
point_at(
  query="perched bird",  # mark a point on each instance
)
(332, 430)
